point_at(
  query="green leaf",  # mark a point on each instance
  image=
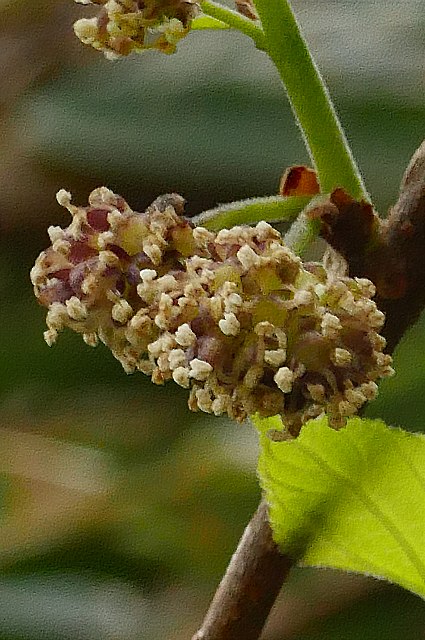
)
(352, 499)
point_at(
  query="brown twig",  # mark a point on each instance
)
(404, 241)
(249, 587)
(391, 254)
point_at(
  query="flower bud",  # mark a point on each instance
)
(233, 316)
(126, 26)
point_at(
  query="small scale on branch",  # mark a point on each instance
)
(388, 252)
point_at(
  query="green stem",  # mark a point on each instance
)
(270, 209)
(310, 100)
(304, 230)
(207, 22)
(234, 20)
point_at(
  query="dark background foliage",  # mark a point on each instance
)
(118, 508)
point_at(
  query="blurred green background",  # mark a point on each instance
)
(119, 509)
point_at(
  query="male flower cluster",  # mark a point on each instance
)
(125, 26)
(233, 316)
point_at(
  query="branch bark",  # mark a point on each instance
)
(249, 587)
(391, 254)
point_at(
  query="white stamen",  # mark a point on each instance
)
(275, 357)
(230, 325)
(63, 197)
(199, 369)
(181, 377)
(341, 357)
(185, 337)
(77, 310)
(176, 358)
(122, 311)
(147, 275)
(284, 378)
